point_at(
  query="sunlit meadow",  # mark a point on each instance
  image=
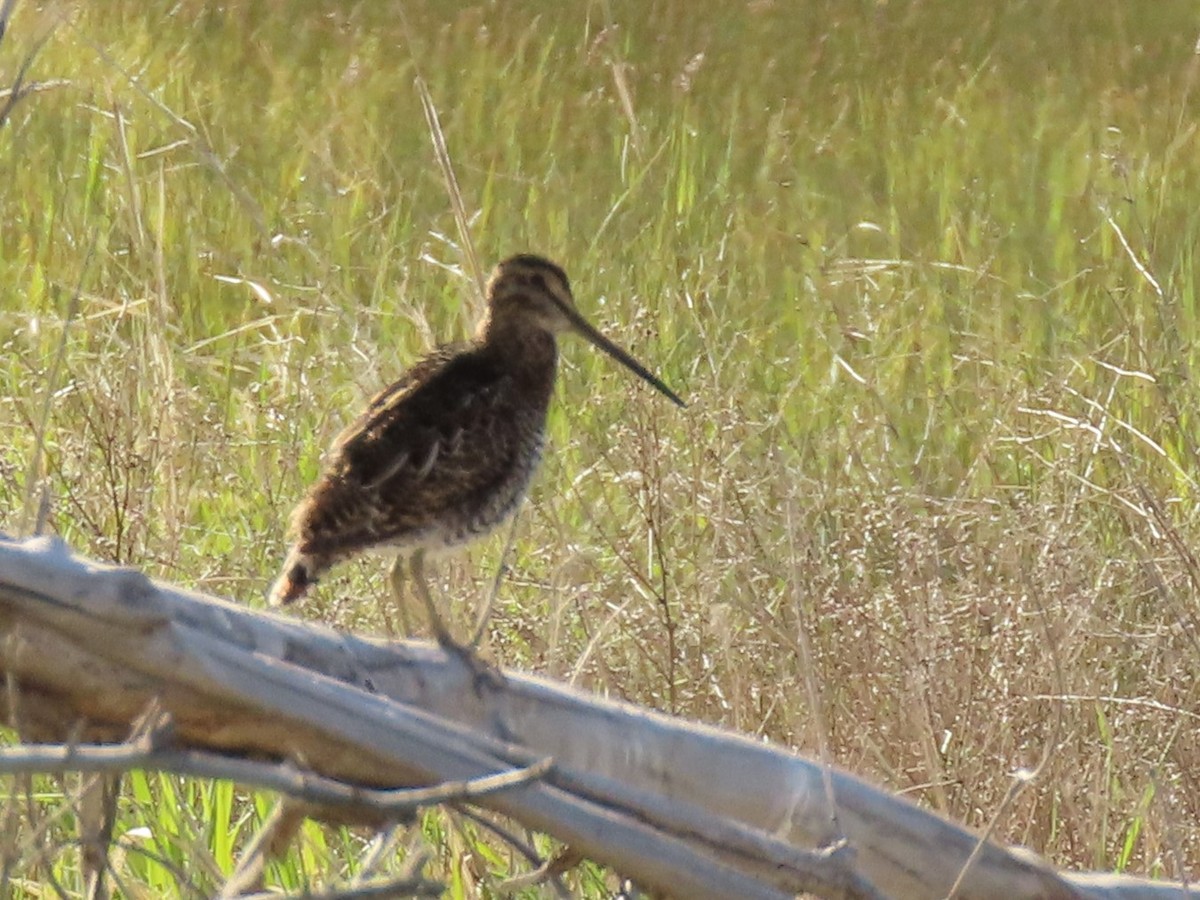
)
(926, 273)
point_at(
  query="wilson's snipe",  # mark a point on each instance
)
(444, 455)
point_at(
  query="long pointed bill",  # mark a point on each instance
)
(597, 339)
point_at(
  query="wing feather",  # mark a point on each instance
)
(437, 441)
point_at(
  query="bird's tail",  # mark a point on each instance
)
(298, 575)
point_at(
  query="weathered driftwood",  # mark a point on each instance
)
(686, 809)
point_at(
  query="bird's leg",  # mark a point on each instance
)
(465, 652)
(421, 586)
(396, 578)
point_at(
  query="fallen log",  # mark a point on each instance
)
(684, 809)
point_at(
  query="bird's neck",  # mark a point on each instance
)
(519, 346)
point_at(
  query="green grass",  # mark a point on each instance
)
(926, 273)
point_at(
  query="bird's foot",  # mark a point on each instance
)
(484, 673)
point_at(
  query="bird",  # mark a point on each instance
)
(444, 455)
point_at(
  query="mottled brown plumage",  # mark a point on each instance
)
(444, 455)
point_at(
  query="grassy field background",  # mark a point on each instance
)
(926, 273)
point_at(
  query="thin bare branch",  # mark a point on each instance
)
(269, 842)
(522, 847)
(376, 890)
(283, 777)
(549, 871)
(19, 90)
(6, 11)
(35, 87)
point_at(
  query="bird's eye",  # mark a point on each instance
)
(538, 281)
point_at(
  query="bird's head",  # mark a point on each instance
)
(528, 291)
(531, 291)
